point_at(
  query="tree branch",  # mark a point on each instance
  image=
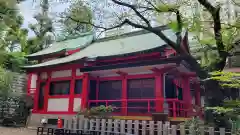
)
(157, 31)
(97, 26)
(207, 5)
(215, 12)
(178, 33)
(134, 9)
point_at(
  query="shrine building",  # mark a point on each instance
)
(136, 72)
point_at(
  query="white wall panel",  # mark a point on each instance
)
(34, 81)
(77, 104)
(78, 73)
(58, 104)
(62, 73)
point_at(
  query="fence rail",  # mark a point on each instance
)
(174, 107)
(133, 127)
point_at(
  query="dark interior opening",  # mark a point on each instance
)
(41, 96)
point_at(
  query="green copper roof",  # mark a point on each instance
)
(116, 46)
(77, 42)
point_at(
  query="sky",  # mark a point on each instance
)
(31, 7)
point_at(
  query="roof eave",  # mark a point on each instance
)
(50, 55)
(176, 59)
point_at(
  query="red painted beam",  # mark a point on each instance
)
(163, 69)
(56, 68)
(124, 95)
(154, 54)
(46, 91)
(29, 81)
(121, 73)
(36, 95)
(187, 94)
(70, 52)
(159, 92)
(179, 73)
(72, 88)
(85, 87)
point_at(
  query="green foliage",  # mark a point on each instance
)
(195, 124)
(10, 25)
(227, 79)
(15, 61)
(5, 83)
(229, 110)
(200, 23)
(42, 28)
(79, 12)
(100, 111)
(167, 7)
(13, 41)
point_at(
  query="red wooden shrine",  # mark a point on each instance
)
(137, 82)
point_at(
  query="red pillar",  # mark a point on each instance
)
(159, 92)
(197, 95)
(187, 98)
(124, 95)
(29, 83)
(36, 94)
(72, 87)
(85, 87)
(46, 91)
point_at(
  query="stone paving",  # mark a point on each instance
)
(16, 131)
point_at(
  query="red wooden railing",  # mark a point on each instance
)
(174, 107)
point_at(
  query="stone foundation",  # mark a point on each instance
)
(35, 118)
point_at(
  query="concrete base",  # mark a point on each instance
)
(35, 118)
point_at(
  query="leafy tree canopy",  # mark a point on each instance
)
(78, 10)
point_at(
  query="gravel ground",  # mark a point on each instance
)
(16, 131)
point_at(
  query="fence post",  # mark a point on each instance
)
(211, 130)
(116, 126)
(182, 129)
(91, 125)
(109, 125)
(74, 124)
(151, 128)
(136, 127)
(85, 128)
(122, 126)
(202, 130)
(103, 128)
(97, 124)
(65, 123)
(129, 126)
(234, 127)
(159, 128)
(144, 125)
(80, 123)
(174, 130)
(192, 130)
(168, 127)
(222, 131)
(165, 129)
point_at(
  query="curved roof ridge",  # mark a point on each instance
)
(120, 46)
(76, 36)
(74, 43)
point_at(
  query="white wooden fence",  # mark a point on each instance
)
(136, 127)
